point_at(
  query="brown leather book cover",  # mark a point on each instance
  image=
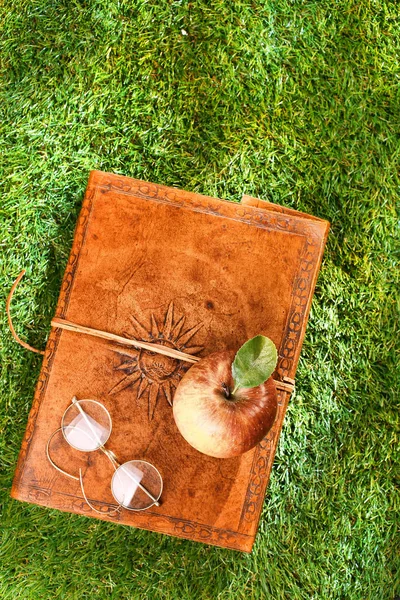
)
(199, 275)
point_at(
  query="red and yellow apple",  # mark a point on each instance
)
(216, 420)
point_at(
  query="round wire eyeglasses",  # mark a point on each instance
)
(86, 426)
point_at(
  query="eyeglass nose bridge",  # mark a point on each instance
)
(111, 456)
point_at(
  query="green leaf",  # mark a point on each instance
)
(254, 362)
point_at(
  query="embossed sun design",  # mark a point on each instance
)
(155, 374)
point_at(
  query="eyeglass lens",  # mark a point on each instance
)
(136, 485)
(86, 425)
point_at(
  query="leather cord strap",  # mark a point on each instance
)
(286, 385)
(152, 347)
(10, 323)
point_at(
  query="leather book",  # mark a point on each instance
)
(196, 274)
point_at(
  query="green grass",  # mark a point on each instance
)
(293, 101)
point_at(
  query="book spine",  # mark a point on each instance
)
(54, 336)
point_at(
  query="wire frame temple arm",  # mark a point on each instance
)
(52, 461)
(100, 512)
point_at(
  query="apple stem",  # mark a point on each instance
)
(227, 391)
(235, 389)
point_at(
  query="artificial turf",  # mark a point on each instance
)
(293, 101)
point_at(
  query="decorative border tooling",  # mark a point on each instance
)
(42, 493)
(79, 237)
(261, 468)
(39, 493)
(211, 535)
(297, 314)
(207, 204)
